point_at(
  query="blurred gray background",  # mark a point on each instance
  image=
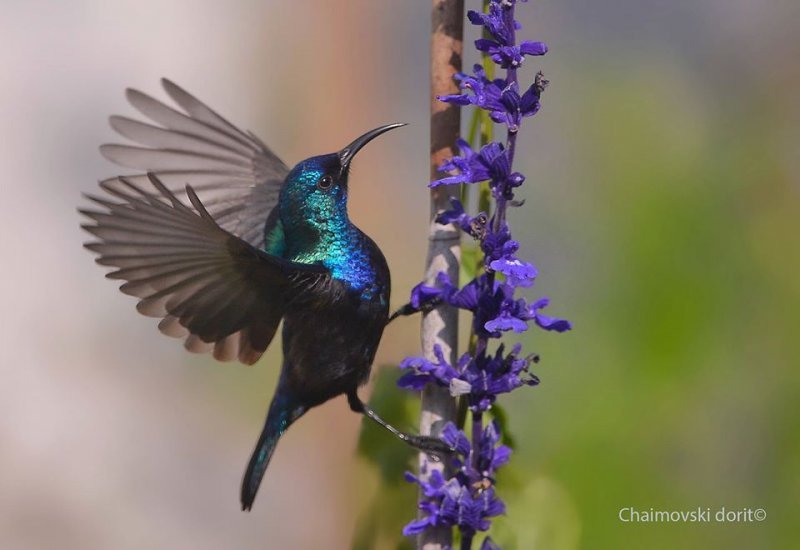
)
(662, 212)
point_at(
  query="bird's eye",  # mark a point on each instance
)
(325, 182)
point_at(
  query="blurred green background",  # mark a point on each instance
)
(663, 210)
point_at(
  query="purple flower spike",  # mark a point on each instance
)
(467, 499)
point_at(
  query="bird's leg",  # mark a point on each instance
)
(408, 309)
(423, 443)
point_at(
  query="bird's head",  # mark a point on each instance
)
(315, 190)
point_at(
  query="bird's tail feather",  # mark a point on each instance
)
(281, 414)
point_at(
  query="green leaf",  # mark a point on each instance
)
(389, 509)
(399, 408)
(394, 502)
(471, 258)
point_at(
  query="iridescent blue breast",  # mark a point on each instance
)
(351, 261)
(342, 248)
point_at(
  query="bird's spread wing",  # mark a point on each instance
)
(235, 175)
(220, 292)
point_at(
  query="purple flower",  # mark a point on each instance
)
(423, 294)
(548, 323)
(423, 372)
(479, 85)
(468, 499)
(453, 504)
(500, 47)
(501, 100)
(485, 304)
(514, 108)
(493, 22)
(445, 291)
(509, 56)
(473, 226)
(490, 163)
(499, 244)
(480, 379)
(517, 272)
(503, 313)
(507, 320)
(485, 93)
(431, 488)
(513, 314)
(491, 455)
(464, 298)
(456, 439)
(499, 255)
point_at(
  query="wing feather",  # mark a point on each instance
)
(207, 285)
(236, 177)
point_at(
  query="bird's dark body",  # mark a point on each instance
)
(329, 341)
(222, 241)
(330, 336)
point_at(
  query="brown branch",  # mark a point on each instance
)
(440, 326)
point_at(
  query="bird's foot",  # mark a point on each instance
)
(431, 445)
(408, 309)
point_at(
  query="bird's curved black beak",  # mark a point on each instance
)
(346, 155)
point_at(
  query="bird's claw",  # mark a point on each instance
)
(408, 309)
(431, 445)
(430, 305)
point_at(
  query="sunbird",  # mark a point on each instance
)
(219, 239)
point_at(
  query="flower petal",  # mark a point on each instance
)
(533, 48)
(417, 526)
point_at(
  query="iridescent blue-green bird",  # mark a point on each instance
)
(219, 239)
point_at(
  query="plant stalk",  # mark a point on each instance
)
(440, 326)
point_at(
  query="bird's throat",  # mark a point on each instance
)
(336, 244)
(310, 241)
